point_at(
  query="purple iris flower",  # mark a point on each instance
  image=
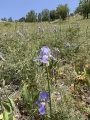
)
(68, 45)
(45, 59)
(45, 54)
(45, 51)
(2, 57)
(43, 98)
(42, 109)
(55, 30)
(53, 58)
(38, 58)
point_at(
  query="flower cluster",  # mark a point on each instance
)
(43, 99)
(45, 54)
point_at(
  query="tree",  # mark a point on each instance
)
(86, 8)
(52, 15)
(78, 10)
(45, 15)
(22, 19)
(62, 11)
(4, 19)
(83, 8)
(31, 16)
(39, 17)
(10, 19)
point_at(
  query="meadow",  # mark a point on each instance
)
(53, 86)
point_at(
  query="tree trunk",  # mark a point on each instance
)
(87, 15)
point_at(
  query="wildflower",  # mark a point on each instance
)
(11, 36)
(26, 29)
(22, 43)
(45, 59)
(43, 98)
(55, 29)
(45, 51)
(56, 50)
(68, 45)
(2, 57)
(42, 30)
(45, 54)
(42, 37)
(5, 34)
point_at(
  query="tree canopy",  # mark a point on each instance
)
(31, 16)
(62, 11)
(83, 8)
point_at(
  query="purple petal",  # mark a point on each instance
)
(38, 58)
(44, 96)
(45, 51)
(0, 54)
(45, 59)
(37, 102)
(68, 45)
(56, 50)
(2, 58)
(53, 58)
(42, 109)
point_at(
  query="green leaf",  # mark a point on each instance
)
(0, 99)
(5, 115)
(12, 103)
(77, 69)
(6, 106)
(26, 94)
(11, 116)
(1, 116)
(3, 83)
(88, 71)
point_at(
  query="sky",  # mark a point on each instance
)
(19, 8)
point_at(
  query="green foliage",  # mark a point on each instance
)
(31, 16)
(45, 15)
(83, 75)
(7, 106)
(22, 19)
(10, 19)
(27, 96)
(39, 17)
(83, 8)
(4, 19)
(52, 15)
(62, 11)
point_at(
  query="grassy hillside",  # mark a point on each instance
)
(66, 77)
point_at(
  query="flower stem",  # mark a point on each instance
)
(49, 92)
